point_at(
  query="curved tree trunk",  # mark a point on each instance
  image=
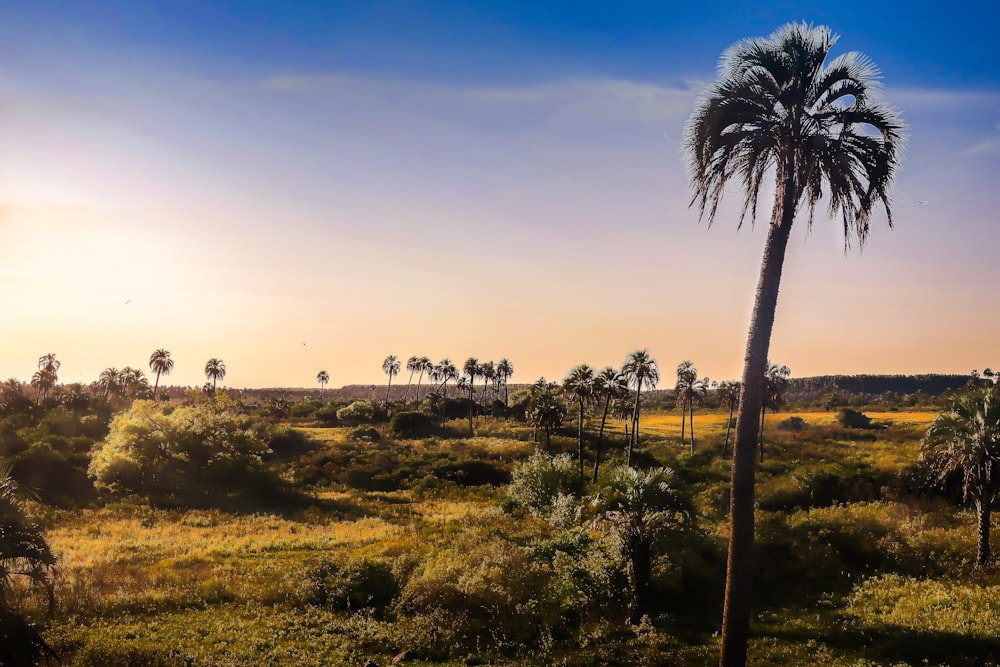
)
(729, 427)
(579, 451)
(983, 510)
(760, 438)
(691, 426)
(600, 437)
(635, 426)
(739, 565)
(683, 417)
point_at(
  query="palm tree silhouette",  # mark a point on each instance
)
(687, 374)
(471, 370)
(215, 370)
(965, 442)
(160, 363)
(46, 377)
(579, 386)
(779, 106)
(424, 365)
(504, 370)
(729, 397)
(775, 384)
(411, 365)
(391, 368)
(610, 385)
(323, 378)
(641, 371)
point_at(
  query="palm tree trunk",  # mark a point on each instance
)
(983, 510)
(760, 437)
(579, 450)
(156, 384)
(691, 408)
(406, 394)
(635, 425)
(600, 437)
(387, 388)
(683, 417)
(419, 378)
(739, 564)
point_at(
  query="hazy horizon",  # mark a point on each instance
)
(291, 189)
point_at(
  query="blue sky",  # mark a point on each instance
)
(459, 179)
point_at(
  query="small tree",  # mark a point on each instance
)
(965, 442)
(546, 412)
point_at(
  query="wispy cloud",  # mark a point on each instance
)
(988, 146)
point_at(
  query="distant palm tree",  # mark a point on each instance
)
(488, 371)
(108, 382)
(323, 378)
(23, 553)
(504, 370)
(391, 368)
(411, 365)
(444, 371)
(160, 363)
(778, 107)
(215, 370)
(48, 362)
(729, 397)
(471, 369)
(425, 365)
(641, 371)
(775, 384)
(579, 387)
(132, 383)
(610, 385)
(46, 377)
(686, 374)
(965, 442)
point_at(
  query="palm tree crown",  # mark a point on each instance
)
(160, 363)
(641, 372)
(322, 378)
(390, 366)
(215, 370)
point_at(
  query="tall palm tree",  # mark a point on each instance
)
(215, 370)
(686, 375)
(779, 106)
(504, 370)
(48, 362)
(488, 371)
(391, 368)
(579, 386)
(107, 382)
(425, 365)
(471, 369)
(323, 378)
(132, 383)
(444, 371)
(610, 385)
(411, 365)
(729, 397)
(46, 377)
(965, 441)
(160, 363)
(641, 371)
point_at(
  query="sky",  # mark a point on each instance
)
(292, 187)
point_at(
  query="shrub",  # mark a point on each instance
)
(361, 584)
(795, 424)
(539, 482)
(411, 425)
(849, 418)
(358, 412)
(364, 434)
(327, 413)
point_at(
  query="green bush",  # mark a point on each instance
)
(794, 424)
(361, 584)
(411, 425)
(541, 482)
(364, 434)
(358, 412)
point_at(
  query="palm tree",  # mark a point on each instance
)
(132, 383)
(775, 384)
(610, 385)
(424, 365)
(215, 370)
(579, 386)
(108, 382)
(547, 412)
(411, 365)
(965, 442)
(24, 553)
(686, 374)
(443, 371)
(640, 507)
(729, 397)
(641, 371)
(323, 378)
(46, 377)
(504, 370)
(391, 368)
(488, 371)
(160, 363)
(779, 106)
(471, 369)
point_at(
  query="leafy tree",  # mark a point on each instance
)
(641, 371)
(323, 378)
(610, 385)
(161, 364)
(579, 386)
(179, 453)
(391, 368)
(640, 507)
(778, 104)
(358, 412)
(540, 482)
(215, 370)
(23, 553)
(965, 442)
